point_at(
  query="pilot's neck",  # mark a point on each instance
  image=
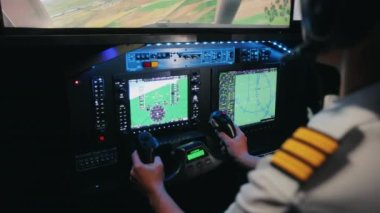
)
(357, 66)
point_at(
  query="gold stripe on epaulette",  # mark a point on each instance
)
(316, 139)
(291, 165)
(304, 152)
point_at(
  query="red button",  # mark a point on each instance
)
(147, 64)
(101, 138)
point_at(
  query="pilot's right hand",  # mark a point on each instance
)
(237, 147)
(150, 177)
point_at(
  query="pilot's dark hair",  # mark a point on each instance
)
(337, 23)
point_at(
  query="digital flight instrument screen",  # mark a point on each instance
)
(157, 101)
(248, 96)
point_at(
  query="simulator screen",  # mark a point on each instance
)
(158, 100)
(146, 13)
(249, 96)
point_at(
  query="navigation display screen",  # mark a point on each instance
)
(158, 101)
(249, 96)
(146, 13)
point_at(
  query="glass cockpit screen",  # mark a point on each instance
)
(157, 101)
(146, 13)
(249, 96)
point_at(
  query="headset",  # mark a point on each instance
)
(336, 23)
(326, 25)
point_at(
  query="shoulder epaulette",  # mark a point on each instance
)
(304, 152)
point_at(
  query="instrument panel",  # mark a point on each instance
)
(170, 90)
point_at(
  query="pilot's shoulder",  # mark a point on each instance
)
(314, 156)
(277, 179)
(309, 157)
(352, 124)
(344, 115)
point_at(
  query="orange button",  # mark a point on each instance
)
(154, 63)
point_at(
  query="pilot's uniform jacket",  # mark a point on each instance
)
(332, 165)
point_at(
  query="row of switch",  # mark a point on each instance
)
(179, 57)
(145, 56)
(195, 88)
(121, 108)
(199, 163)
(96, 159)
(255, 55)
(99, 95)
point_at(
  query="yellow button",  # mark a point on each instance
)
(154, 63)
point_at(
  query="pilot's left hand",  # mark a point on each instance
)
(150, 177)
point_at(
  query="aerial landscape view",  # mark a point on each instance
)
(153, 13)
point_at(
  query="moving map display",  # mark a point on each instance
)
(248, 97)
(158, 100)
(146, 13)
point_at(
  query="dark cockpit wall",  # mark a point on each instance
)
(58, 153)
